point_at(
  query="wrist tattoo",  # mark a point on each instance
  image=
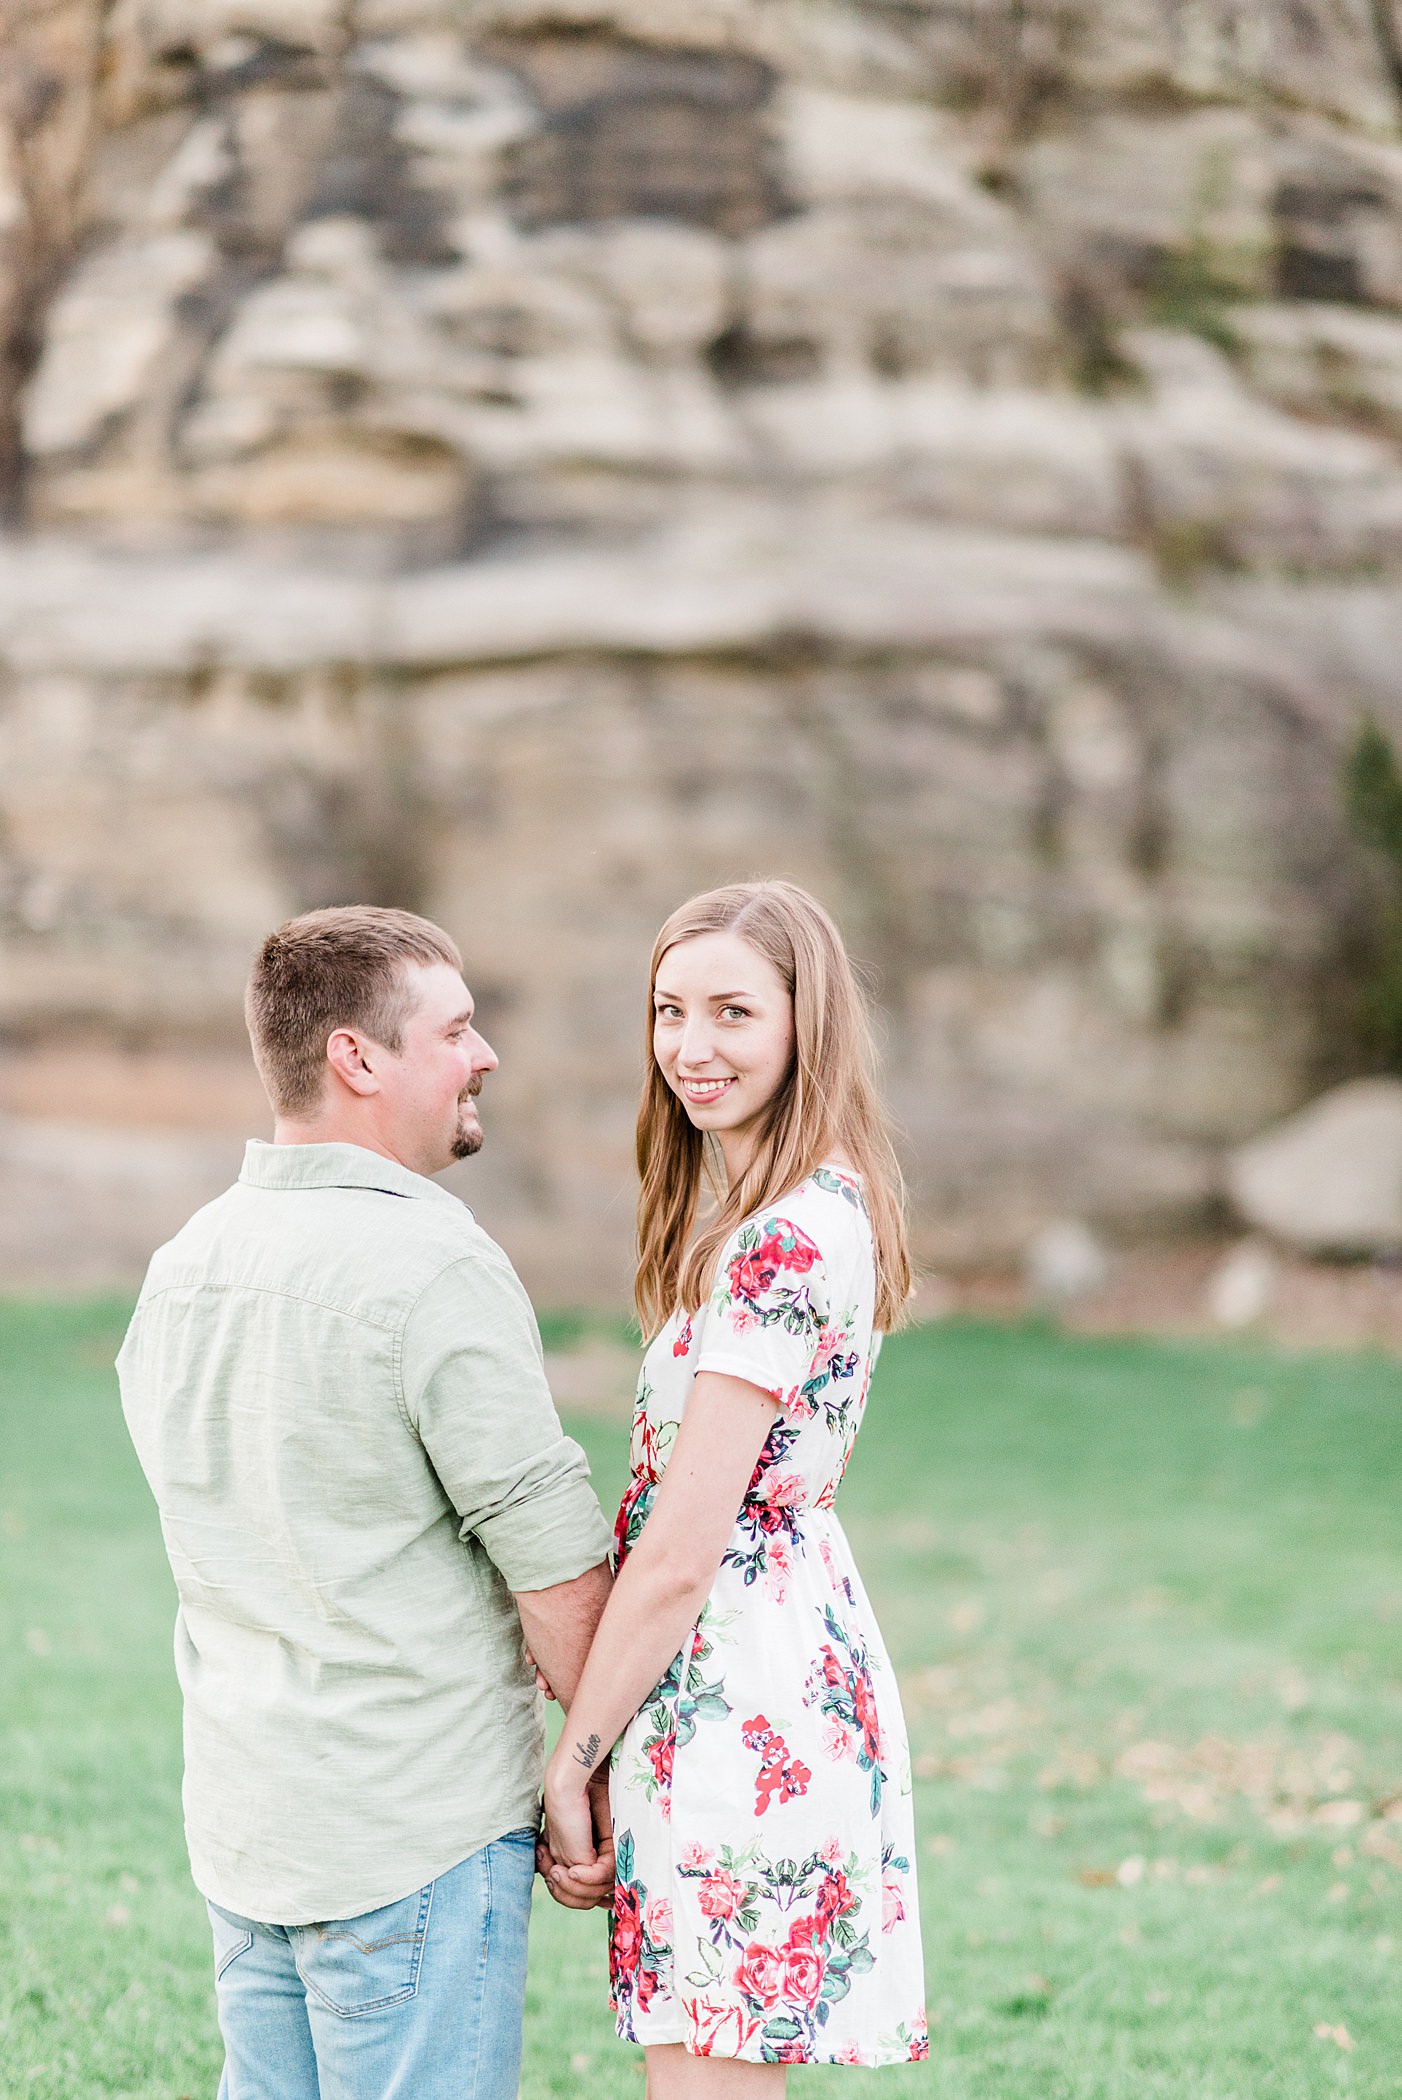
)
(587, 1754)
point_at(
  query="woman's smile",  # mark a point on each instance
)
(703, 1091)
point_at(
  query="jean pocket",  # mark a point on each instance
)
(361, 1965)
(232, 1937)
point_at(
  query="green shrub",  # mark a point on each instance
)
(1373, 802)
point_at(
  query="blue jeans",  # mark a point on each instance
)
(421, 2000)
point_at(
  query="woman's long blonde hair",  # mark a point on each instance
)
(827, 1104)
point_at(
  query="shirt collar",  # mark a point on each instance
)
(268, 1166)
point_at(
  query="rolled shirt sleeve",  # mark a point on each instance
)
(474, 1389)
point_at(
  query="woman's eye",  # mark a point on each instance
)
(736, 1013)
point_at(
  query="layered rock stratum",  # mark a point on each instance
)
(528, 462)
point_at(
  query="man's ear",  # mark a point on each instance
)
(350, 1057)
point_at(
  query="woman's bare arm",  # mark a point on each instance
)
(659, 1593)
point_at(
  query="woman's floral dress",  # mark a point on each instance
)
(766, 1903)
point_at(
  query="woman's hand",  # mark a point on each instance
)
(569, 1818)
(583, 1887)
(542, 1682)
(654, 1604)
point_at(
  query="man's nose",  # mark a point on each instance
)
(484, 1057)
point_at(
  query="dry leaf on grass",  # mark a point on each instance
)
(1378, 1845)
(1338, 2034)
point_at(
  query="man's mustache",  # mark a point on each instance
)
(473, 1087)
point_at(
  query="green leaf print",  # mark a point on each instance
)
(824, 1178)
(710, 1968)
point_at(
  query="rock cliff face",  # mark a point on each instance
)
(527, 462)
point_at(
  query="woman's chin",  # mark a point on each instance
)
(710, 1116)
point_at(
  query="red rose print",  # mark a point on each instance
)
(627, 1936)
(865, 1703)
(803, 1975)
(784, 1246)
(683, 1341)
(792, 2052)
(748, 1278)
(661, 1751)
(808, 1932)
(788, 1779)
(835, 1896)
(778, 1773)
(720, 1894)
(785, 1491)
(712, 2022)
(795, 1779)
(761, 1973)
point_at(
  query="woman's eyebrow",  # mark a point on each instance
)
(716, 998)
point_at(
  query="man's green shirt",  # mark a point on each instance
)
(334, 1382)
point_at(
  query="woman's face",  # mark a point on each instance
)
(722, 1034)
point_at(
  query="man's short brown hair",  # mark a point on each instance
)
(339, 968)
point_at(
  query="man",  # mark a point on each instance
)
(334, 1383)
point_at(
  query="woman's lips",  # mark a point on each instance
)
(704, 1091)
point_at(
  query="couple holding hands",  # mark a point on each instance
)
(384, 1547)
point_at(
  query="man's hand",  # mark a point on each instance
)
(558, 1625)
(576, 1888)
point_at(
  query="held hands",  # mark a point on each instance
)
(575, 1851)
(542, 1682)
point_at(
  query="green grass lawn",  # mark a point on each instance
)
(1146, 1602)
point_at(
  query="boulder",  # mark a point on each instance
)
(1328, 1180)
(1243, 1286)
(1064, 1262)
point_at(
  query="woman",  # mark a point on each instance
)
(765, 1906)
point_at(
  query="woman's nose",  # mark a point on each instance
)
(695, 1044)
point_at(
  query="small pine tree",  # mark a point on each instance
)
(1373, 803)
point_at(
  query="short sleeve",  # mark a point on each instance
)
(768, 1309)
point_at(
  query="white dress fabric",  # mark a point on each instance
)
(766, 1902)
